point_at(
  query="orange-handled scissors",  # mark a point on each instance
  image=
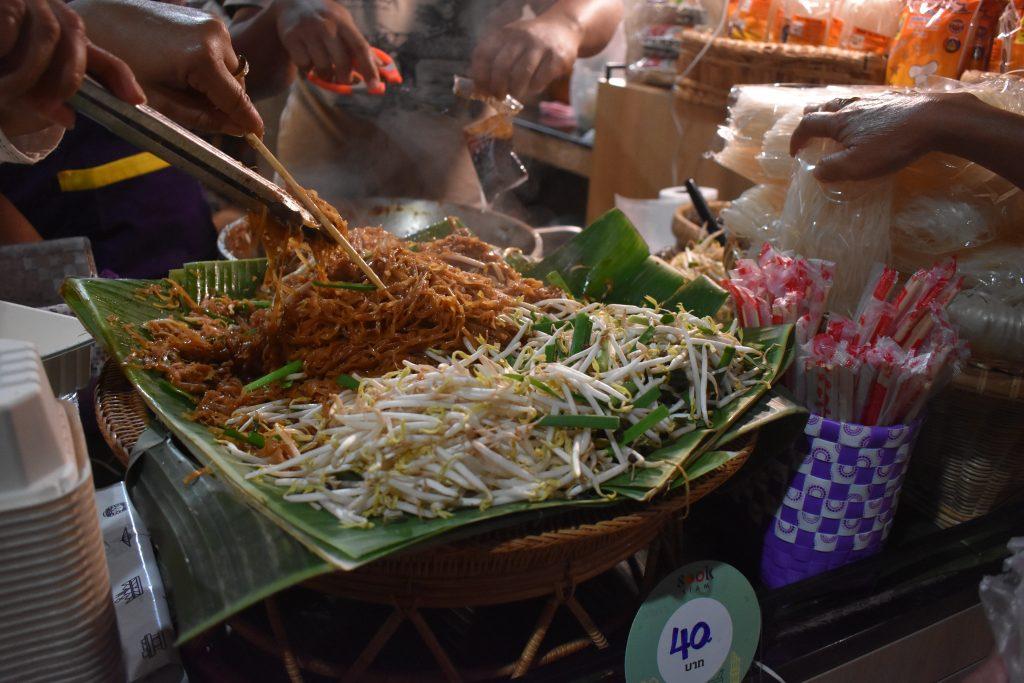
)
(386, 67)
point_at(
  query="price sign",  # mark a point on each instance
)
(701, 623)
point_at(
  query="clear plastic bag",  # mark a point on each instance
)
(846, 223)
(1002, 598)
(753, 217)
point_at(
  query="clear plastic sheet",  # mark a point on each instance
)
(846, 223)
(1002, 598)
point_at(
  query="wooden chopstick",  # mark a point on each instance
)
(325, 223)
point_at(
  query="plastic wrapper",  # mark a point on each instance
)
(993, 328)
(1008, 46)
(864, 25)
(941, 224)
(653, 70)
(753, 217)
(1002, 598)
(489, 140)
(941, 39)
(846, 223)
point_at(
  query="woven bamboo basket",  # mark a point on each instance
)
(730, 62)
(537, 557)
(969, 458)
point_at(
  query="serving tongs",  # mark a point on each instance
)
(149, 130)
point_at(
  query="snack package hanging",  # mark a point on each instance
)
(932, 41)
(803, 22)
(846, 223)
(752, 19)
(864, 25)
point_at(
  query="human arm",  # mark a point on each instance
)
(182, 57)
(14, 227)
(885, 133)
(45, 55)
(254, 34)
(523, 57)
(302, 35)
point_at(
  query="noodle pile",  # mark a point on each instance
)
(438, 294)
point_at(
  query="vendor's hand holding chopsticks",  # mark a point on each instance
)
(182, 57)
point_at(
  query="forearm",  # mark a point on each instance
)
(14, 227)
(596, 20)
(254, 34)
(986, 135)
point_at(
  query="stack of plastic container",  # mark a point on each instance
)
(57, 619)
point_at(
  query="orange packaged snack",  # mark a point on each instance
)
(935, 39)
(803, 22)
(751, 19)
(864, 25)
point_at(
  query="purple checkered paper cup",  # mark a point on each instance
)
(840, 504)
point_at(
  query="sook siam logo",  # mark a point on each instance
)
(696, 582)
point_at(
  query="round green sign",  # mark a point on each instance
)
(700, 624)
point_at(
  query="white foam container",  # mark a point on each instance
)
(63, 344)
(57, 619)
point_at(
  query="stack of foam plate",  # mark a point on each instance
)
(57, 619)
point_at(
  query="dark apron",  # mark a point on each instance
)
(142, 217)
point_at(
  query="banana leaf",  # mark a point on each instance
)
(107, 306)
(610, 261)
(217, 555)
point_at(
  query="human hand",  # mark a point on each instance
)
(182, 57)
(523, 58)
(879, 134)
(322, 36)
(44, 55)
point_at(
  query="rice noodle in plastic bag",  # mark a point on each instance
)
(846, 223)
(753, 217)
(1002, 598)
(940, 224)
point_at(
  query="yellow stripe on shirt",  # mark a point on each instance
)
(76, 180)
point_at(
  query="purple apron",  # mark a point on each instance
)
(140, 226)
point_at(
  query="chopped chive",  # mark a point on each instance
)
(347, 381)
(287, 384)
(728, 353)
(647, 335)
(604, 359)
(178, 394)
(545, 325)
(667, 319)
(555, 278)
(551, 352)
(630, 386)
(257, 303)
(637, 430)
(582, 326)
(544, 387)
(580, 421)
(516, 377)
(279, 374)
(648, 397)
(357, 286)
(637, 319)
(252, 438)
